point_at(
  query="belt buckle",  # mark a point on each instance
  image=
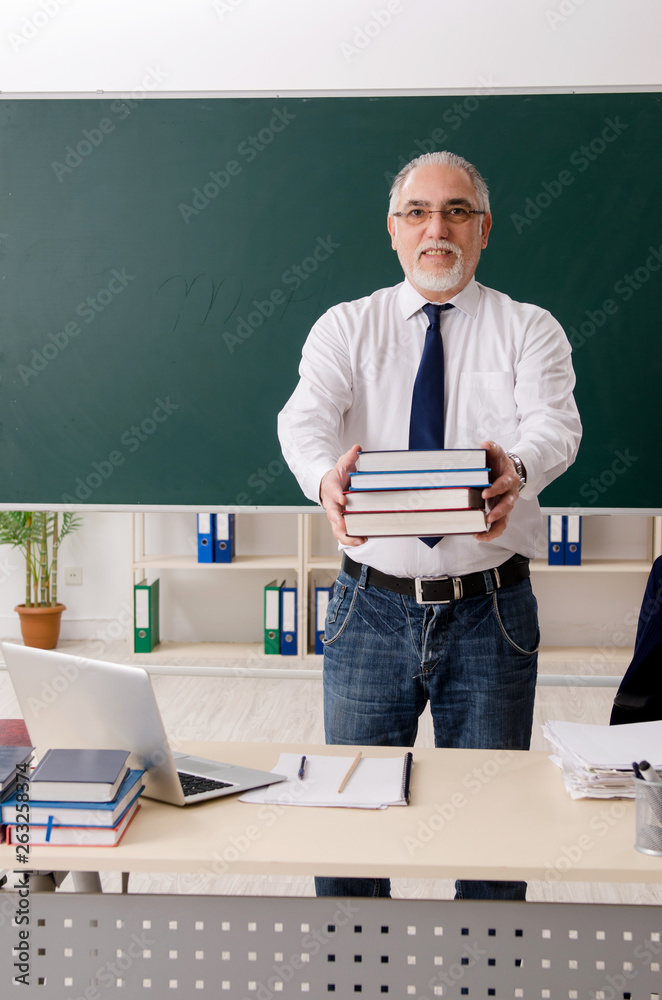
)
(420, 580)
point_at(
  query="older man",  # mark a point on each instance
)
(469, 647)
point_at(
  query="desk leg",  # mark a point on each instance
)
(86, 881)
(43, 881)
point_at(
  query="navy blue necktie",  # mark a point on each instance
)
(426, 423)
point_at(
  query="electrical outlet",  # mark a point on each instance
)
(73, 575)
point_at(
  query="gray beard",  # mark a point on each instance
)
(441, 282)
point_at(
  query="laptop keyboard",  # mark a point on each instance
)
(193, 784)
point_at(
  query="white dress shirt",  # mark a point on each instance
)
(508, 378)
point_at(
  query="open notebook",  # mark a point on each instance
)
(377, 782)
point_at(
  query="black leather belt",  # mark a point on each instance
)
(441, 590)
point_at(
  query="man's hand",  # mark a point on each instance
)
(331, 494)
(502, 492)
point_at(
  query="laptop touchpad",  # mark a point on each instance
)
(198, 765)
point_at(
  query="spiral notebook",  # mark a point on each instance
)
(376, 782)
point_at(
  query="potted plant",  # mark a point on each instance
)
(37, 534)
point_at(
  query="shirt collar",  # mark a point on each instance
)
(412, 301)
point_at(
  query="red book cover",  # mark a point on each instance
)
(13, 733)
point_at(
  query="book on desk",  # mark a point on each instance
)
(79, 775)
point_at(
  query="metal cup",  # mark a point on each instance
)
(648, 797)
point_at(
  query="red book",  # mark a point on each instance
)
(13, 733)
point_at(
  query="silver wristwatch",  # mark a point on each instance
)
(519, 469)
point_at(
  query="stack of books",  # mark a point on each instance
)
(14, 761)
(417, 493)
(597, 761)
(15, 757)
(74, 798)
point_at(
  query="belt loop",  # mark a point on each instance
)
(490, 581)
(363, 579)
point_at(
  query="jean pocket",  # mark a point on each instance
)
(518, 624)
(339, 610)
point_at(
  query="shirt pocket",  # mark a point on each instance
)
(486, 407)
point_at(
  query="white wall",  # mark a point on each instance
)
(74, 45)
(139, 46)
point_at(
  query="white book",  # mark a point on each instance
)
(443, 498)
(440, 458)
(416, 522)
(417, 480)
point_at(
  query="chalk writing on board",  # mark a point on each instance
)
(200, 294)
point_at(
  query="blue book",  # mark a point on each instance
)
(78, 836)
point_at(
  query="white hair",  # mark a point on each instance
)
(441, 159)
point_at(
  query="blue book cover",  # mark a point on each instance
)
(76, 813)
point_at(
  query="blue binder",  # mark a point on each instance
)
(322, 596)
(556, 547)
(288, 621)
(224, 538)
(573, 540)
(205, 538)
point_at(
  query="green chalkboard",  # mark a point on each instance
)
(161, 263)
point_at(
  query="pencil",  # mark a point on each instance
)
(350, 772)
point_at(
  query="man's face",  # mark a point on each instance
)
(439, 258)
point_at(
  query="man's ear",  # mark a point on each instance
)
(486, 225)
(390, 223)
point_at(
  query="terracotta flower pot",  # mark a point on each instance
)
(40, 627)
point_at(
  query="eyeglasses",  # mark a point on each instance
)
(456, 215)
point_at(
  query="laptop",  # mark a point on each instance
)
(72, 701)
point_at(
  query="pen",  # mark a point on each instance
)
(649, 773)
(636, 771)
(350, 771)
(302, 769)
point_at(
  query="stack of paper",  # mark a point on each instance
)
(597, 760)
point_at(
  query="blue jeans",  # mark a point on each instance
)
(474, 660)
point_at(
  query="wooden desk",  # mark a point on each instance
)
(473, 814)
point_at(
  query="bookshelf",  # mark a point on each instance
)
(314, 561)
(287, 563)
